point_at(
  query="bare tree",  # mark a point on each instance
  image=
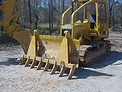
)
(29, 6)
(1, 14)
(111, 4)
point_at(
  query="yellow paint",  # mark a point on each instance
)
(61, 51)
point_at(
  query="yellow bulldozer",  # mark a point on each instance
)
(81, 41)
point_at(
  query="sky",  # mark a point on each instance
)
(120, 1)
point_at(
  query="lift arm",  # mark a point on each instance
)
(10, 22)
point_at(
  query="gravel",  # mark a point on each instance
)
(102, 76)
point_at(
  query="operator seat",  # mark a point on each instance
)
(92, 19)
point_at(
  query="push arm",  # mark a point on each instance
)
(10, 22)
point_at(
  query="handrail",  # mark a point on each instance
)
(73, 14)
(63, 15)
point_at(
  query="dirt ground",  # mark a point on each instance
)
(102, 76)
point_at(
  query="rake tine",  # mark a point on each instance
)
(40, 64)
(33, 63)
(54, 68)
(72, 70)
(62, 71)
(27, 61)
(47, 65)
(22, 60)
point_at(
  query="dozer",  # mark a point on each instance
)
(81, 41)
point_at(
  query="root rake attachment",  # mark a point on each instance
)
(64, 55)
(48, 63)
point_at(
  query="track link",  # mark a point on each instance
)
(89, 53)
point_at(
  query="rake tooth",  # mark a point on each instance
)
(40, 65)
(62, 71)
(22, 60)
(54, 68)
(72, 70)
(47, 66)
(27, 61)
(33, 63)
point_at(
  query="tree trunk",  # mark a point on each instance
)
(63, 5)
(36, 21)
(29, 6)
(49, 6)
(59, 13)
(36, 17)
(1, 18)
(1, 13)
(52, 14)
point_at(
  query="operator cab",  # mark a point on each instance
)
(89, 18)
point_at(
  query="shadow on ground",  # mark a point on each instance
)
(81, 73)
(84, 72)
(109, 59)
(10, 61)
